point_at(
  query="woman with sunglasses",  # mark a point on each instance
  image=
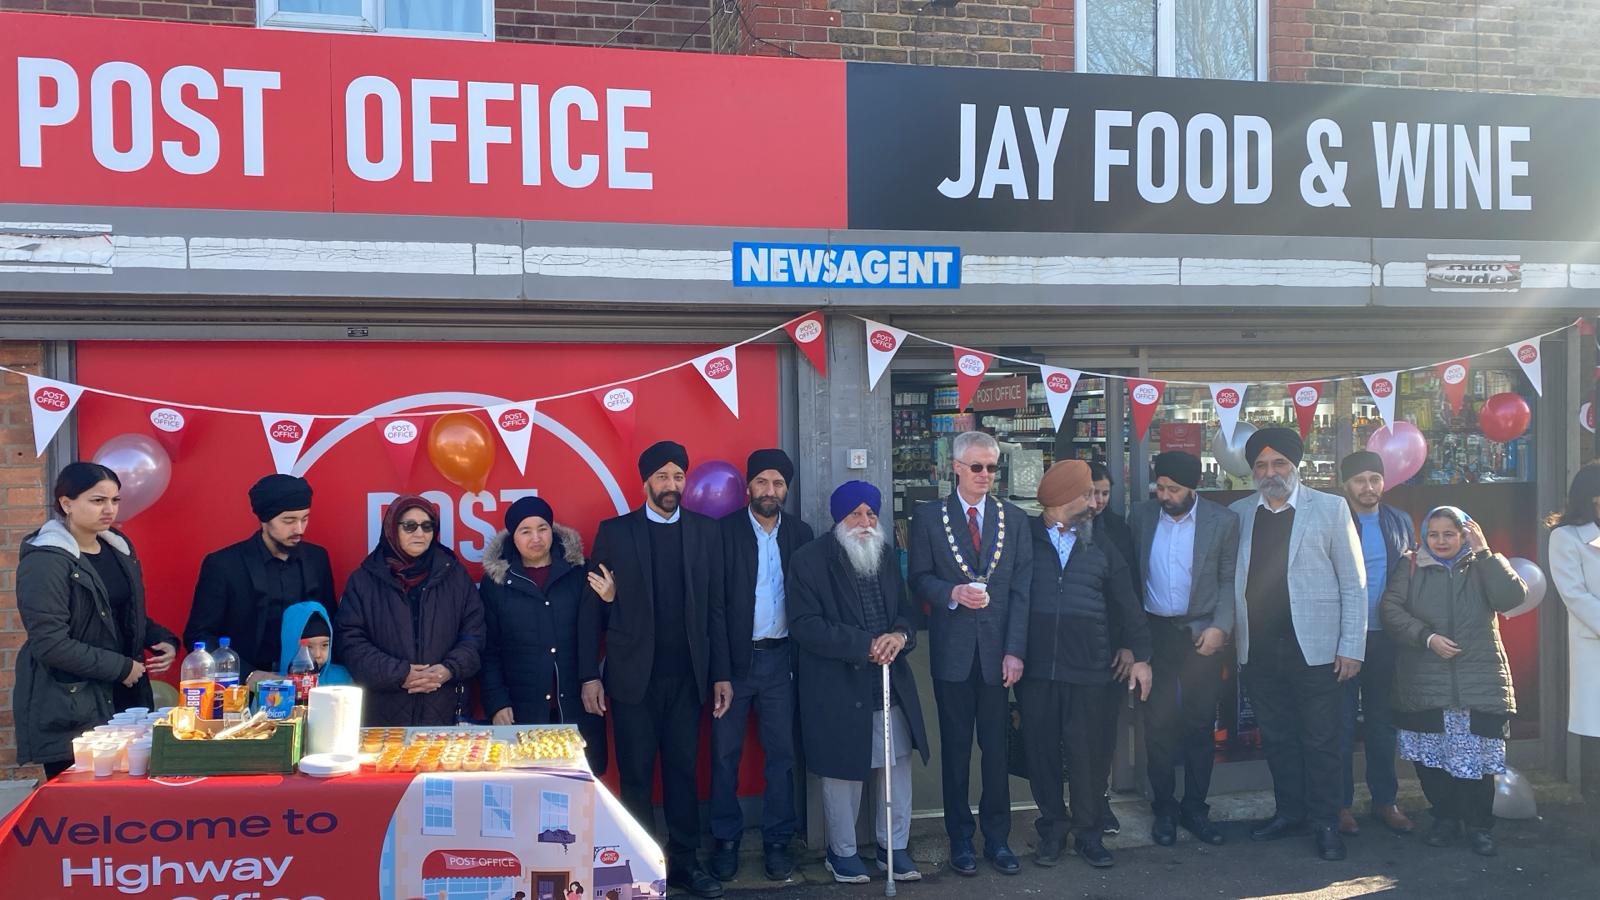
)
(410, 625)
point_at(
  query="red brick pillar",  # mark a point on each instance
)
(22, 506)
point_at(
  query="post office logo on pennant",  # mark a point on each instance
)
(1307, 396)
(400, 431)
(167, 419)
(1456, 373)
(719, 367)
(970, 364)
(882, 341)
(1382, 387)
(1146, 394)
(808, 331)
(619, 399)
(52, 399)
(1058, 383)
(513, 420)
(1227, 398)
(286, 432)
(1527, 354)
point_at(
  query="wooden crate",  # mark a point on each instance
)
(275, 755)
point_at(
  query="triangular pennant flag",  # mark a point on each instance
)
(810, 335)
(1383, 386)
(171, 426)
(1145, 396)
(52, 402)
(1306, 395)
(402, 438)
(1229, 401)
(1453, 377)
(720, 369)
(1531, 360)
(1586, 325)
(970, 368)
(621, 404)
(286, 436)
(1058, 387)
(514, 421)
(883, 341)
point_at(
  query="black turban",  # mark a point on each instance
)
(1284, 440)
(771, 458)
(1183, 468)
(278, 494)
(1359, 462)
(527, 508)
(659, 454)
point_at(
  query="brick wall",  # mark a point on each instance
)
(22, 489)
(1526, 46)
(210, 12)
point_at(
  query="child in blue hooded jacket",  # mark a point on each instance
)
(309, 621)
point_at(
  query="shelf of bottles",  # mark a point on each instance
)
(1458, 451)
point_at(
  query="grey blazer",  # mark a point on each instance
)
(1327, 578)
(1216, 550)
(956, 635)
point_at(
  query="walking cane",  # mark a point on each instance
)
(888, 788)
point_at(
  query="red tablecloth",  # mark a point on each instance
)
(484, 836)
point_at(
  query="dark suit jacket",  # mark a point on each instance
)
(230, 600)
(628, 623)
(1216, 551)
(838, 681)
(740, 562)
(999, 629)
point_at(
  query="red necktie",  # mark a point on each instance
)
(974, 530)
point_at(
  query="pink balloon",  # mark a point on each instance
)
(1533, 577)
(1403, 450)
(714, 488)
(144, 468)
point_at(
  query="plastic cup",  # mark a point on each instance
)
(981, 586)
(140, 711)
(83, 753)
(105, 758)
(139, 757)
(105, 730)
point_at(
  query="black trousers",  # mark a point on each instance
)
(769, 689)
(965, 707)
(1469, 800)
(1180, 719)
(1299, 708)
(665, 723)
(1076, 716)
(1116, 699)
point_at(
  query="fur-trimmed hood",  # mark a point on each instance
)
(498, 568)
(55, 535)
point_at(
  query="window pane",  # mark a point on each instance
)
(434, 15)
(1216, 39)
(1121, 36)
(321, 7)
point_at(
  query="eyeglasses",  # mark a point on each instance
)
(412, 527)
(980, 468)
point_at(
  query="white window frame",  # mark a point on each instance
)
(1166, 40)
(370, 21)
(497, 796)
(549, 801)
(432, 789)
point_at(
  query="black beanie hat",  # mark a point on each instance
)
(528, 507)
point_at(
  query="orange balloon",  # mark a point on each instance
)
(462, 449)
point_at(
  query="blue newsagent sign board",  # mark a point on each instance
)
(863, 266)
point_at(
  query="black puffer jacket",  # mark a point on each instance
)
(378, 642)
(530, 658)
(1081, 614)
(73, 657)
(1460, 604)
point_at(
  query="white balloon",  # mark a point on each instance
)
(1513, 796)
(1533, 576)
(1230, 454)
(143, 467)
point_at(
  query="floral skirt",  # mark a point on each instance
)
(1457, 751)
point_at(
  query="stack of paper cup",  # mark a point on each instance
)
(333, 719)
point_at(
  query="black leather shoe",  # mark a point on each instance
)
(1093, 852)
(1164, 831)
(1277, 828)
(1004, 861)
(698, 882)
(963, 860)
(1481, 842)
(779, 861)
(1109, 823)
(725, 861)
(1201, 828)
(1330, 844)
(1049, 850)
(1443, 833)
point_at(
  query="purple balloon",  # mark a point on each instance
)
(714, 488)
(1403, 450)
(144, 467)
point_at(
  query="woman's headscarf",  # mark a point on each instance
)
(1457, 515)
(409, 572)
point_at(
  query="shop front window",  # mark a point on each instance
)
(469, 888)
(1187, 421)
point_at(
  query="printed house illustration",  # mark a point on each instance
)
(489, 836)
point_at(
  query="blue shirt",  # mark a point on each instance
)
(651, 514)
(771, 620)
(1063, 539)
(1376, 553)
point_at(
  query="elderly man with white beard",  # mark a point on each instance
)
(1300, 624)
(849, 616)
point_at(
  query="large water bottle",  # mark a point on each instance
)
(197, 681)
(227, 675)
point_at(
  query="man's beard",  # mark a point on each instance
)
(767, 507)
(666, 501)
(1178, 510)
(1278, 487)
(863, 547)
